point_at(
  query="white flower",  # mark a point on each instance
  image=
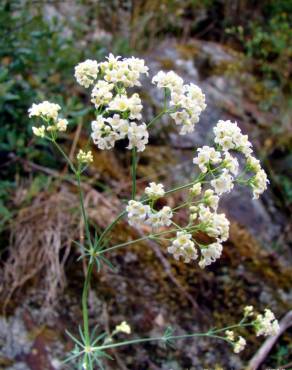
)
(123, 327)
(160, 218)
(135, 107)
(138, 136)
(210, 199)
(230, 335)
(126, 71)
(253, 164)
(154, 220)
(225, 132)
(137, 212)
(85, 157)
(206, 155)
(102, 93)
(189, 102)
(166, 215)
(103, 135)
(217, 225)
(259, 183)
(210, 254)
(184, 247)
(196, 98)
(119, 125)
(137, 65)
(223, 183)
(248, 311)
(196, 189)
(194, 213)
(266, 324)
(62, 124)
(228, 135)
(45, 109)
(155, 191)
(39, 131)
(231, 163)
(239, 345)
(244, 145)
(119, 103)
(168, 80)
(86, 72)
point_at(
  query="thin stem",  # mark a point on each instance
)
(199, 179)
(84, 215)
(109, 228)
(162, 112)
(165, 100)
(192, 229)
(85, 303)
(172, 337)
(133, 171)
(87, 231)
(64, 155)
(232, 327)
(156, 118)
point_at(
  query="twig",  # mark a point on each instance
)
(287, 366)
(75, 141)
(263, 352)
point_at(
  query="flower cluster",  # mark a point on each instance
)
(139, 213)
(239, 345)
(183, 246)
(155, 191)
(84, 157)
(123, 327)
(126, 71)
(86, 72)
(223, 167)
(206, 156)
(117, 112)
(186, 101)
(210, 253)
(118, 117)
(266, 324)
(48, 112)
(229, 137)
(45, 110)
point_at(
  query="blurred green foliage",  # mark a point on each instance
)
(268, 46)
(37, 62)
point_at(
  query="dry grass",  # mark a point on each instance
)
(41, 238)
(40, 241)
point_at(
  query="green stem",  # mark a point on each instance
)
(84, 215)
(85, 303)
(109, 228)
(64, 155)
(133, 171)
(240, 325)
(156, 118)
(87, 231)
(172, 337)
(192, 229)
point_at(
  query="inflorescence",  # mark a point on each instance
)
(227, 162)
